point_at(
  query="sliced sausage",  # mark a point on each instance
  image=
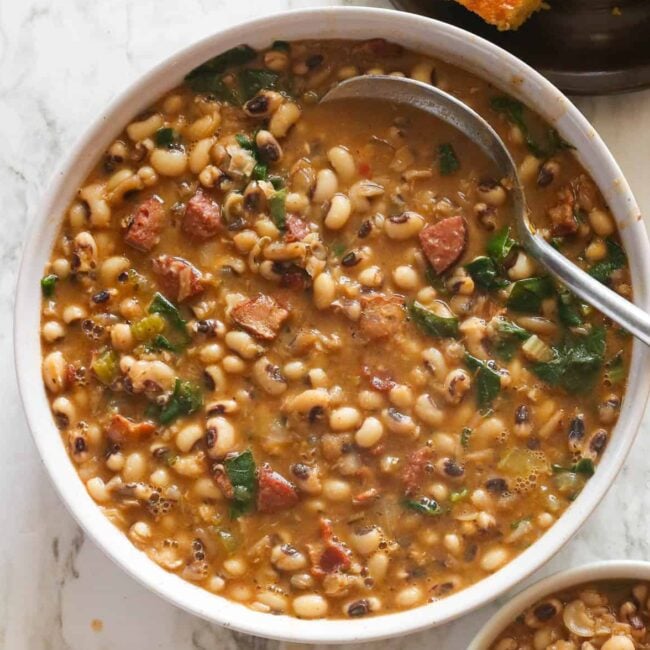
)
(444, 242)
(274, 491)
(380, 379)
(262, 316)
(178, 279)
(202, 218)
(121, 429)
(562, 214)
(333, 557)
(297, 229)
(418, 466)
(379, 47)
(144, 226)
(381, 315)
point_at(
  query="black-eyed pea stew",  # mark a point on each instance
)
(295, 351)
(605, 615)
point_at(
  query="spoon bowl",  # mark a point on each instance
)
(432, 100)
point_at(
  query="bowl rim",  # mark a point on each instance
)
(459, 48)
(591, 572)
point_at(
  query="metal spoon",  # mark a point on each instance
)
(449, 109)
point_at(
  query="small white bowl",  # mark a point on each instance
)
(610, 570)
(432, 38)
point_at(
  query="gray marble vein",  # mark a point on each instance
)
(60, 62)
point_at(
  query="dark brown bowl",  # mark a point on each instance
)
(584, 47)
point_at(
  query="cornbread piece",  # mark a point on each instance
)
(504, 14)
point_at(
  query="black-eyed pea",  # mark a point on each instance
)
(84, 253)
(362, 607)
(457, 384)
(336, 490)
(370, 400)
(602, 222)
(344, 418)
(140, 532)
(596, 250)
(524, 267)
(403, 226)
(449, 468)
(618, 642)
(286, 557)
(424, 71)
(220, 437)
(305, 401)
(122, 337)
(494, 558)
(428, 411)
(307, 478)
(294, 370)
(310, 606)
(214, 378)
(401, 396)
(64, 411)
(529, 169)
(235, 567)
(506, 644)
(205, 488)
(52, 331)
(199, 157)
(78, 215)
(409, 596)
(129, 308)
(233, 364)
(361, 193)
(274, 601)
(339, 210)
(188, 436)
(366, 540)
(169, 162)
(211, 353)
(609, 409)
(548, 172)
(369, 433)
(138, 131)
(97, 490)
(276, 60)
(135, 467)
(343, 162)
(371, 277)
(115, 462)
(284, 118)
(269, 377)
(406, 277)
(347, 72)
(54, 371)
(539, 616)
(243, 344)
(324, 290)
(326, 187)
(492, 192)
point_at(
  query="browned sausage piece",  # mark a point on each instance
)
(121, 429)
(444, 242)
(202, 218)
(381, 316)
(562, 214)
(274, 491)
(262, 316)
(297, 229)
(418, 465)
(178, 279)
(144, 227)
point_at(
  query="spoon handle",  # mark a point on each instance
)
(621, 311)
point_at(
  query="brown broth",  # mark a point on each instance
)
(486, 472)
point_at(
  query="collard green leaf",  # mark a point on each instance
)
(500, 245)
(487, 380)
(241, 471)
(448, 162)
(48, 284)
(527, 295)
(432, 324)
(616, 259)
(485, 274)
(277, 208)
(185, 400)
(425, 506)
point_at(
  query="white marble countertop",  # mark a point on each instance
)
(59, 63)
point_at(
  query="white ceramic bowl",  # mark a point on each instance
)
(438, 40)
(610, 570)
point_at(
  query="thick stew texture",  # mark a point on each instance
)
(296, 352)
(606, 615)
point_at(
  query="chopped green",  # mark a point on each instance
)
(432, 324)
(514, 112)
(166, 137)
(277, 208)
(448, 162)
(527, 295)
(160, 305)
(146, 328)
(425, 506)
(584, 466)
(210, 69)
(459, 495)
(281, 46)
(260, 172)
(338, 249)
(616, 259)
(251, 81)
(519, 461)
(518, 522)
(568, 308)
(488, 381)
(106, 366)
(500, 245)
(577, 363)
(161, 342)
(509, 337)
(185, 400)
(465, 436)
(245, 142)
(227, 539)
(277, 182)
(241, 472)
(485, 274)
(48, 284)
(615, 369)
